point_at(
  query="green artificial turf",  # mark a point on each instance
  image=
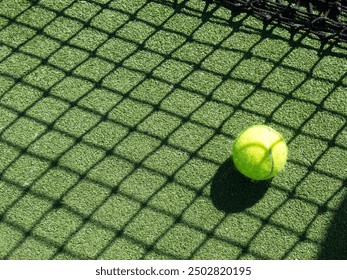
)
(116, 125)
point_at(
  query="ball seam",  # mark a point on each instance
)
(270, 155)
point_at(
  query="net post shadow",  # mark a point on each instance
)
(335, 243)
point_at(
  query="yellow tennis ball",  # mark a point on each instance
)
(259, 152)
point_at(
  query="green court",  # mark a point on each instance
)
(117, 119)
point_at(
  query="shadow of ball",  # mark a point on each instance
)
(232, 192)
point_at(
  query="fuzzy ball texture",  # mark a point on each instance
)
(259, 152)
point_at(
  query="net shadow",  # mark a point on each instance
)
(132, 172)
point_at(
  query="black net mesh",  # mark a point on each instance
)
(325, 18)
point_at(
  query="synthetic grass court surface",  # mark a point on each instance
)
(117, 120)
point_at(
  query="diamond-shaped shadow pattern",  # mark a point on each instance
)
(117, 119)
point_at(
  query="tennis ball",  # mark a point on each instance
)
(259, 152)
